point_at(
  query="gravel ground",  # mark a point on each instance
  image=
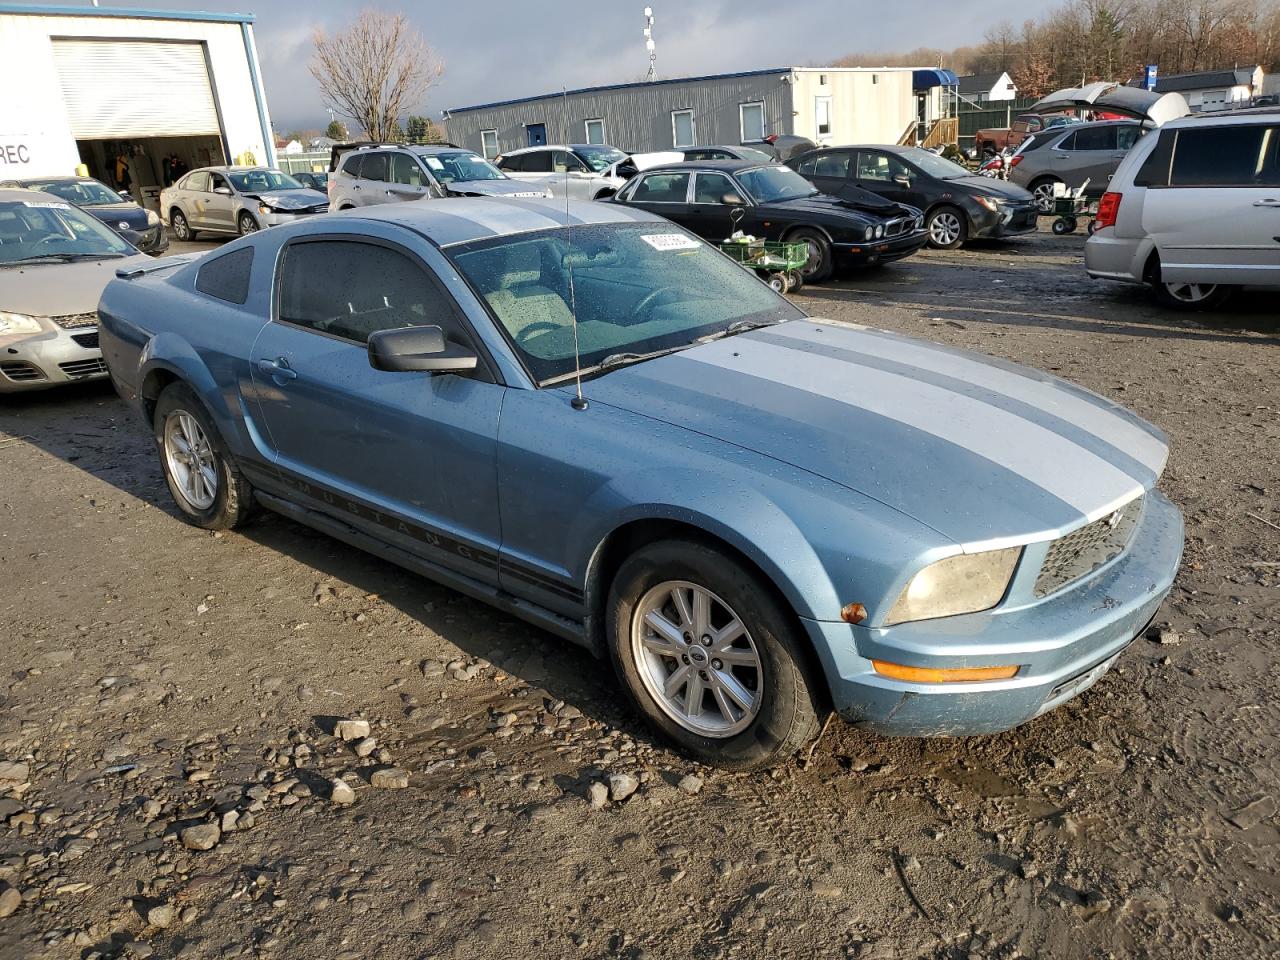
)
(168, 757)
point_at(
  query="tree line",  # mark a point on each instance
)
(1086, 40)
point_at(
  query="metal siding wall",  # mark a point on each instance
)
(636, 119)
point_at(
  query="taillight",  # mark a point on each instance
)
(1015, 160)
(1108, 210)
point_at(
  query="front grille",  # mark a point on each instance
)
(83, 368)
(896, 228)
(19, 371)
(1083, 551)
(71, 321)
(89, 340)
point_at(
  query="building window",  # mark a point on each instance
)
(682, 129)
(751, 121)
(489, 143)
(822, 79)
(822, 115)
(595, 131)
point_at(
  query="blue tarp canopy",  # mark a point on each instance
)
(928, 79)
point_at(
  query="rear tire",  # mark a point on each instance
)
(819, 266)
(203, 478)
(181, 229)
(756, 704)
(1191, 296)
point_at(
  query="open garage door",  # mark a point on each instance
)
(136, 88)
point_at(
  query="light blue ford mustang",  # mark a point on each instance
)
(756, 516)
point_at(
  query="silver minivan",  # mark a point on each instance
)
(1194, 210)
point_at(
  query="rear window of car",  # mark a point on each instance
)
(226, 277)
(1226, 156)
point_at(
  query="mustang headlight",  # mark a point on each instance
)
(962, 584)
(153, 219)
(18, 323)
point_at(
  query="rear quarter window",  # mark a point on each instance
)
(1154, 171)
(1227, 156)
(226, 277)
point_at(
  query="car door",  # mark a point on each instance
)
(191, 193)
(375, 172)
(708, 215)
(532, 166)
(570, 176)
(1218, 219)
(406, 457)
(406, 180)
(1086, 156)
(888, 176)
(667, 195)
(828, 170)
(220, 204)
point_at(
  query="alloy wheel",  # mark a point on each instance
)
(191, 460)
(814, 263)
(180, 229)
(697, 659)
(1191, 293)
(1043, 194)
(944, 228)
(248, 225)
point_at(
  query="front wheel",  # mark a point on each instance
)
(1043, 192)
(819, 266)
(708, 655)
(204, 481)
(947, 228)
(247, 224)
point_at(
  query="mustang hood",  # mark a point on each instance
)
(981, 450)
(292, 199)
(493, 188)
(60, 289)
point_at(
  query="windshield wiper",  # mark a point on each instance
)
(66, 257)
(738, 326)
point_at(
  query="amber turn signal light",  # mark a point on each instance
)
(853, 613)
(897, 671)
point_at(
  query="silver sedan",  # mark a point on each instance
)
(236, 200)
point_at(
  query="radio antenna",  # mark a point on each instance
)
(579, 402)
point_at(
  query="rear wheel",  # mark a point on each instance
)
(203, 479)
(1042, 190)
(710, 657)
(181, 229)
(1191, 296)
(947, 228)
(819, 265)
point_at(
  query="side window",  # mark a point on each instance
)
(1233, 156)
(405, 169)
(711, 188)
(227, 277)
(199, 182)
(374, 167)
(351, 165)
(808, 167)
(1155, 169)
(1095, 138)
(351, 289)
(877, 166)
(563, 161)
(1066, 143)
(217, 180)
(539, 161)
(1126, 137)
(832, 165)
(662, 188)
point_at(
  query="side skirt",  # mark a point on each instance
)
(570, 630)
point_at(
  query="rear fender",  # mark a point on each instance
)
(167, 355)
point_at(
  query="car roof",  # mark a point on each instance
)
(59, 179)
(430, 149)
(14, 194)
(560, 146)
(1226, 117)
(464, 219)
(720, 166)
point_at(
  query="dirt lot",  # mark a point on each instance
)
(156, 677)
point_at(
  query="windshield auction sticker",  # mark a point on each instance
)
(670, 241)
(47, 204)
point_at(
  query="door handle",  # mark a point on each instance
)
(277, 368)
(1273, 204)
(356, 186)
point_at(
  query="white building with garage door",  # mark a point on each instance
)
(133, 95)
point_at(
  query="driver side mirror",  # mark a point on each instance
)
(222, 191)
(733, 200)
(902, 180)
(412, 349)
(126, 195)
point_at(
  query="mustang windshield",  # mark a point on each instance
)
(83, 193)
(599, 158)
(774, 184)
(256, 181)
(640, 288)
(52, 230)
(456, 167)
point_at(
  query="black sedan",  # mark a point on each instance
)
(316, 181)
(958, 205)
(140, 227)
(714, 198)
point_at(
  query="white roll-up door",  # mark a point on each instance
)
(135, 88)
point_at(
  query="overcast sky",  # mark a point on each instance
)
(501, 49)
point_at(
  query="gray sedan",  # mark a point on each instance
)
(237, 200)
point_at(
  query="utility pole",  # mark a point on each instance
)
(650, 46)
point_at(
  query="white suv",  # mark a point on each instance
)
(1194, 210)
(586, 171)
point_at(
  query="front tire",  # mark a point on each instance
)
(710, 658)
(203, 479)
(819, 266)
(181, 229)
(247, 224)
(948, 228)
(1042, 190)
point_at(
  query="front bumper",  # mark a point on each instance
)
(1063, 645)
(880, 251)
(50, 359)
(153, 240)
(1008, 222)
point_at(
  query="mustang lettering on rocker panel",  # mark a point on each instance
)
(266, 476)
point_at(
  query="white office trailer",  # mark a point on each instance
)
(829, 105)
(131, 95)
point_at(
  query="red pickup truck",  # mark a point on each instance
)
(992, 140)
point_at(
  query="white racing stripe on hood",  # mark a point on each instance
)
(503, 220)
(1062, 468)
(1107, 426)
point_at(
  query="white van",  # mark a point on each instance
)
(1194, 210)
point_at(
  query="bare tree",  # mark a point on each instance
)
(375, 70)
